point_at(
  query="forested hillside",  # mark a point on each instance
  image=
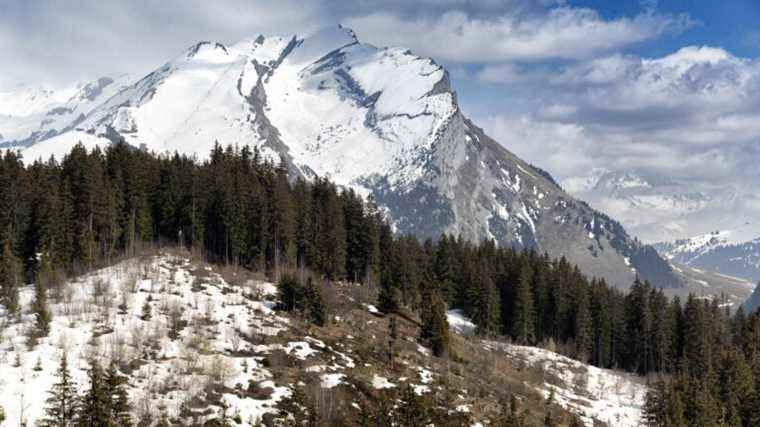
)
(92, 208)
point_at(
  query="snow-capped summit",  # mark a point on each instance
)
(33, 113)
(380, 120)
(726, 252)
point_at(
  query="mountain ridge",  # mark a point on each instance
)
(379, 120)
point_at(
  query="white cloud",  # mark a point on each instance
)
(561, 32)
(67, 41)
(693, 115)
(559, 147)
(501, 73)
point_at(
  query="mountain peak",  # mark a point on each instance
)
(381, 121)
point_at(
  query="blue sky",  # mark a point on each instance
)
(730, 24)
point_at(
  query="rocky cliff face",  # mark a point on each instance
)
(382, 121)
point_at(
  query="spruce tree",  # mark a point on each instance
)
(583, 325)
(655, 412)
(388, 299)
(411, 410)
(290, 293)
(118, 401)
(145, 311)
(61, 405)
(317, 307)
(10, 275)
(94, 405)
(523, 314)
(435, 326)
(41, 311)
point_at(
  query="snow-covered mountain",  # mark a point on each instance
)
(658, 209)
(723, 252)
(32, 113)
(380, 120)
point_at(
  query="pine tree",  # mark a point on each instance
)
(61, 405)
(392, 337)
(411, 410)
(509, 416)
(523, 314)
(435, 326)
(317, 307)
(290, 293)
(654, 413)
(485, 302)
(583, 325)
(94, 406)
(118, 401)
(146, 312)
(10, 275)
(388, 299)
(550, 420)
(41, 311)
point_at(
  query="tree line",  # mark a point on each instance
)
(239, 208)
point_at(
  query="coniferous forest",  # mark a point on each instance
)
(61, 219)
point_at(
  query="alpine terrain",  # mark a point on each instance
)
(379, 120)
(723, 252)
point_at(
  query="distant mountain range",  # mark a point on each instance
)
(380, 120)
(659, 209)
(719, 252)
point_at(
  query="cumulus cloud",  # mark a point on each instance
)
(72, 40)
(692, 115)
(559, 32)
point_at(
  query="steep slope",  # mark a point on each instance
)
(214, 341)
(382, 121)
(720, 251)
(29, 114)
(733, 291)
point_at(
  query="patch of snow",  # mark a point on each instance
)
(332, 380)
(379, 382)
(459, 323)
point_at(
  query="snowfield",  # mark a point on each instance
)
(615, 398)
(228, 336)
(89, 325)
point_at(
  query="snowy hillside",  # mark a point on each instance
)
(596, 394)
(214, 347)
(723, 252)
(380, 120)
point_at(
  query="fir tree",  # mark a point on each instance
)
(10, 275)
(290, 293)
(317, 308)
(41, 311)
(411, 410)
(389, 295)
(118, 404)
(583, 325)
(146, 311)
(61, 405)
(392, 337)
(523, 314)
(94, 408)
(435, 326)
